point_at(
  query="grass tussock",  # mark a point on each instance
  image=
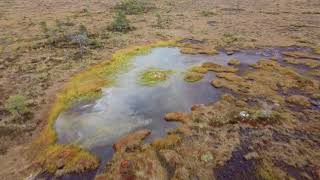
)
(66, 158)
(153, 76)
(195, 73)
(193, 77)
(167, 142)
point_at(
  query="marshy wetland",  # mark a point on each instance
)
(130, 105)
(137, 89)
(156, 114)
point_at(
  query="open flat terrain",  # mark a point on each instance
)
(42, 47)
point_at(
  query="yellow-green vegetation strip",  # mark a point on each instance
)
(153, 76)
(86, 84)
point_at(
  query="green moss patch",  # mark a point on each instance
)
(153, 76)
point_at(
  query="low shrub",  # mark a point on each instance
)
(131, 6)
(77, 39)
(162, 21)
(44, 28)
(17, 105)
(120, 23)
(207, 13)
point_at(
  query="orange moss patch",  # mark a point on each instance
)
(177, 116)
(135, 165)
(66, 159)
(132, 138)
(166, 142)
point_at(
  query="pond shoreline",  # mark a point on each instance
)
(293, 49)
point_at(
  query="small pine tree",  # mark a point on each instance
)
(83, 29)
(131, 6)
(120, 23)
(44, 28)
(17, 105)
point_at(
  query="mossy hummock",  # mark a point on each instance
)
(193, 77)
(195, 73)
(153, 76)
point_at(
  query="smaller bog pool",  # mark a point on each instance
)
(128, 106)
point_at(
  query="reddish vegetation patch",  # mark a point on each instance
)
(299, 100)
(62, 159)
(131, 139)
(177, 116)
(125, 170)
